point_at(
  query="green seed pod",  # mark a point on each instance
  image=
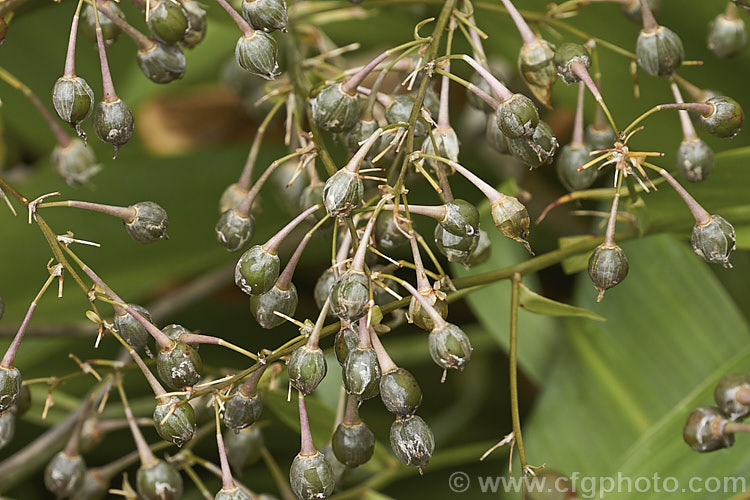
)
(517, 117)
(632, 9)
(244, 447)
(323, 288)
(149, 224)
(400, 392)
(23, 403)
(178, 426)
(726, 119)
(346, 341)
(536, 151)
(257, 271)
(307, 367)
(536, 64)
(412, 440)
(75, 163)
(704, 430)
(110, 31)
(266, 15)
(159, 481)
(7, 428)
(726, 399)
(447, 143)
(64, 474)
(353, 444)
(312, 195)
(263, 306)
(180, 366)
(695, 160)
(93, 486)
(343, 192)
(495, 136)
(197, 24)
(400, 110)
(162, 63)
(714, 241)
(511, 218)
(113, 122)
(420, 317)
(73, 99)
(745, 4)
(387, 235)
(242, 410)
(232, 494)
(608, 266)
(256, 54)
(334, 109)
(10, 387)
(726, 36)
(361, 374)
(350, 296)
(565, 56)
(461, 218)
(455, 248)
(234, 230)
(659, 52)
(482, 252)
(450, 347)
(311, 477)
(571, 158)
(167, 21)
(598, 139)
(134, 333)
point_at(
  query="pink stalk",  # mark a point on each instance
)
(696, 93)
(359, 156)
(443, 113)
(312, 341)
(144, 452)
(350, 85)
(285, 278)
(491, 101)
(125, 213)
(491, 193)
(384, 99)
(144, 43)
(436, 212)
(109, 88)
(384, 360)
(307, 447)
(528, 36)
(272, 245)
(701, 216)
(227, 481)
(577, 139)
(346, 243)
(71, 448)
(250, 386)
(699, 107)
(609, 235)
(688, 130)
(496, 85)
(579, 69)
(649, 22)
(423, 283)
(247, 170)
(70, 56)
(156, 387)
(363, 335)
(358, 262)
(437, 320)
(351, 415)
(245, 28)
(10, 355)
(63, 139)
(476, 41)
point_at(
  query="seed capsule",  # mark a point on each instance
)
(726, 119)
(134, 333)
(350, 296)
(10, 387)
(599, 138)
(569, 160)
(361, 373)
(455, 248)
(450, 347)
(512, 219)
(113, 123)
(482, 252)
(714, 241)
(517, 117)
(312, 195)
(343, 192)
(23, 403)
(323, 288)
(659, 52)
(167, 21)
(257, 271)
(359, 133)
(400, 392)
(726, 398)
(537, 150)
(94, 486)
(197, 24)
(149, 224)
(64, 474)
(178, 424)
(159, 481)
(244, 447)
(179, 366)
(265, 305)
(266, 15)
(346, 341)
(162, 63)
(234, 230)
(537, 67)
(311, 477)
(72, 98)
(232, 494)
(567, 54)
(420, 317)
(608, 266)
(704, 430)
(75, 163)
(726, 36)
(7, 428)
(695, 160)
(353, 444)
(307, 367)
(110, 31)
(412, 441)
(256, 54)
(242, 410)
(495, 136)
(334, 109)
(387, 235)
(632, 9)
(400, 110)
(461, 218)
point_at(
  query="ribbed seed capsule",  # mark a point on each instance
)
(726, 119)
(167, 21)
(234, 230)
(197, 24)
(110, 31)
(64, 474)
(450, 347)
(420, 317)
(412, 440)
(7, 428)
(307, 367)
(537, 67)
(134, 333)
(568, 161)
(73, 100)
(179, 366)
(726, 395)
(74, 162)
(232, 494)
(695, 160)
(10, 387)
(265, 306)
(343, 192)
(353, 444)
(727, 36)
(537, 150)
(659, 52)
(361, 373)
(608, 266)
(266, 15)
(113, 123)
(714, 241)
(704, 430)
(461, 218)
(93, 486)
(334, 109)
(495, 136)
(175, 424)
(455, 248)
(511, 218)
(400, 110)
(346, 341)
(256, 54)
(482, 252)
(599, 138)
(149, 224)
(400, 392)
(257, 271)
(350, 296)
(244, 447)
(387, 235)
(517, 117)
(162, 63)
(566, 55)
(242, 410)
(311, 477)
(159, 481)
(359, 133)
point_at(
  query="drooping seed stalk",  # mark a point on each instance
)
(351, 84)
(71, 447)
(144, 43)
(250, 386)
(491, 101)
(577, 139)
(703, 108)
(127, 214)
(227, 481)
(351, 414)
(272, 245)
(609, 235)
(696, 93)
(436, 212)
(313, 340)
(247, 171)
(649, 21)
(702, 217)
(109, 88)
(358, 262)
(156, 387)
(384, 360)
(356, 160)
(144, 452)
(194, 338)
(476, 43)
(513, 368)
(245, 28)
(688, 130)
(70, 56)
(500, 90)
(363, 334)
(528, 36)
(492, 194)
(423, 284)
(307, 447)
(735, 427)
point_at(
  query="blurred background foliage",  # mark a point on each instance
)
(597, 397)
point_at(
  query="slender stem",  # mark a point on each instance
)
(144, 43)
(609, 235)
(702, 217)
(71, 448)
(285, 278)
(197, 481)
(699, 107)
(312, 341)
(245, 28)
(144, 452)
(496, 85)
(109, 88)
(70, 56)
(580, 70)
(363, 334)
(358, 262)
(356, 161)
(513, 362)
(649, 22)
(250, 386)
(384, 360)
(528, 36)
(247, 202)
(742, 396)
(350, 85)
(491, 193)
(351, 414)
(227, 482)
(476, 43)
(734, 427)
(436, 212)
(156, 387)
(438, 321)
(247, 170)
(127, 214)
(307, 447)
(491, 101)
(423, 284)
(696, 93)
(194, 338)
(577, 139)
(688, 130)
(272, 245)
